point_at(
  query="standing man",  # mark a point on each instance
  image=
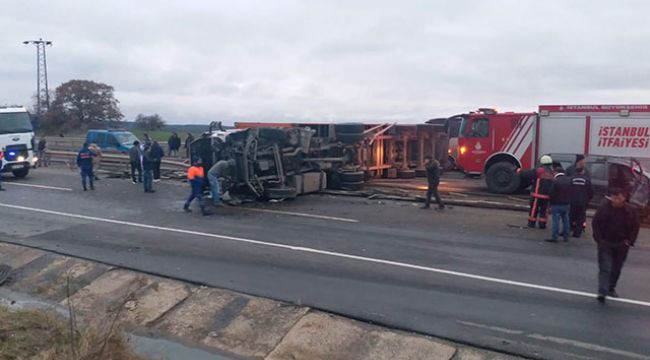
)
(148, 164)
(616, 226)
(42, 155)
(221, 169)
(560, 200)
(85, 163)
(97, 159)
(135, 158)
(433, 178)
(2, 156)
(581, 194)
(196, 176)
(579, 164)
(188, 147)
(157, 154)
(540, 195)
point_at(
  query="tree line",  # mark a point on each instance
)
(79, 105)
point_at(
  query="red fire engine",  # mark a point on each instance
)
(498, 145)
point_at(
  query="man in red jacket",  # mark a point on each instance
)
(616, 226)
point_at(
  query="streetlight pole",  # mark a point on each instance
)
(42, 91)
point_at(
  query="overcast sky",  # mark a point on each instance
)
(408, 61)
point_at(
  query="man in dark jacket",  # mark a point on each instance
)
(148, 164)
(433, 178)
(157, 154)
(85, 163)
(188, 142)
(560, 200)
(135, 158)
(616, 226)
(579, 164)
(581, 194)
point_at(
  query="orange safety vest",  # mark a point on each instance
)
(194, 172)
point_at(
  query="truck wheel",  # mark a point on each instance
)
(352, 186)
(280, 193)
(502, 178)
(352, 176)
(20, 173)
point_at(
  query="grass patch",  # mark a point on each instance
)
(45, 335)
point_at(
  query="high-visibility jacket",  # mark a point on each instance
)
(543, 182)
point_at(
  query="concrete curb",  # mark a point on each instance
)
(226, 322)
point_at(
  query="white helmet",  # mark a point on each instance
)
(546, 160)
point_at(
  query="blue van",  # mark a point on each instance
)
(111, 140)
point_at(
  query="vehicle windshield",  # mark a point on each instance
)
(125, 138)
(11, 123)
(463, 127)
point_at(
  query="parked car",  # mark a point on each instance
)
(111, 140)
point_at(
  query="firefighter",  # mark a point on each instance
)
(196, 177)
(539, 196)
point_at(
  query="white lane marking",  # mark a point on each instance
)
(494, 328)
(38, 186)
(587, 346)
(290, 213)
(333, 254)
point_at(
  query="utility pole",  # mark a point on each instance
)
(42, 91)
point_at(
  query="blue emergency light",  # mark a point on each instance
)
(12, 153)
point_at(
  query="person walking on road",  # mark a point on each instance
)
(560, 200)
(616, 226)
(581, 194)
(433, 178)
(221, 169)
(196, 177)
(540, 195)
(85, 162)
(148, 164)
(157, 154)
(188, 145)
(135, 158)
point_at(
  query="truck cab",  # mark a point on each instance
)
(16, 141)
(111, 140)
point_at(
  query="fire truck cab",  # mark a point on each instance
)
(496, 145)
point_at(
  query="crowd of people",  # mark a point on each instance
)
(145, 160)
(566, 195)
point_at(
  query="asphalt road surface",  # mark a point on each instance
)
(470, 275)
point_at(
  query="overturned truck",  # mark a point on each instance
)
(282, 160)
(280, 163)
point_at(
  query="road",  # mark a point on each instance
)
(469, 275)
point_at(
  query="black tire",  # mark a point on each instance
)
(280, 193)
(352, 176)
(349, 128)
(346, 138)
(502, 178)
(20, 174)
(406, 174)
(451, 164)
(352, 186)
(333, 180)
